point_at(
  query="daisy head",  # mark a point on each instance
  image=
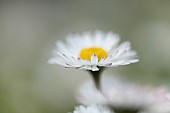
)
(92, 51)
(92, 109)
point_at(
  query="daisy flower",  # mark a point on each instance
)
(92, 109)
(124, 97)
(92, 51)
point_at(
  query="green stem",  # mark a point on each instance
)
(121, 110)
(96, 75)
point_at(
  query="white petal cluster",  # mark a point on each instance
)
(67, 54)
(115, 93)
(122, 95)
(92, 109)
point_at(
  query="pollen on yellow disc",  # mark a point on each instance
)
(86, 53)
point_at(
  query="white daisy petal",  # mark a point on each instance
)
(95, 68)
(61, 47)
(98, 38)
(111, 41)
(86, 68)
(94, 59)
(123, 48)
(84, 62)
(101, 60)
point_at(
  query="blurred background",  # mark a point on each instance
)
(29, 29)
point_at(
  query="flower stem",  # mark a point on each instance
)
(121, 110)
(96, 75)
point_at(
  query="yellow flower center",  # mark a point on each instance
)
(86, 53)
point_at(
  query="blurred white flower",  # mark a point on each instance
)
(88, 94)
(123, 96)
(115, 93)
(93, 51)
(161, 101)
(92, 109)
